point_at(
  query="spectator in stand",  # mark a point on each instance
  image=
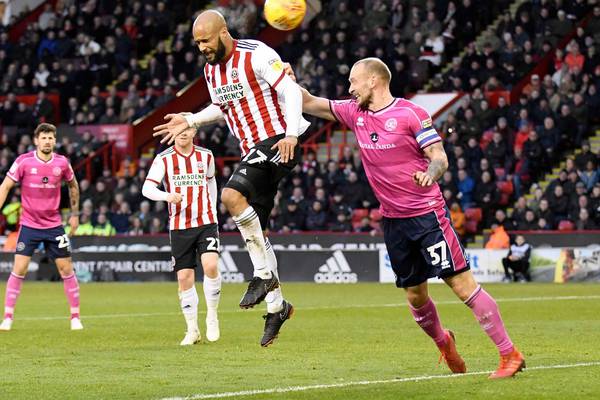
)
(517, 261)
(293, 219)
(458, 220)
(498, 239)
(316, 218)
(584, 222)
(103, 227)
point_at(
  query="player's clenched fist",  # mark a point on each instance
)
(423, 179)
(174, 198)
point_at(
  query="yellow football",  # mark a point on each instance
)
(285, 15)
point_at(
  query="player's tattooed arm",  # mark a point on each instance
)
(438, 164)
(74, 199)
(74, 196)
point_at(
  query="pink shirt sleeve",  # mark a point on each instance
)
(68, 174)
(343, 111)
(420, 124)
(15, 172)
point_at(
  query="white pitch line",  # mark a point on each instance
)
(340, 307)
(366, 383)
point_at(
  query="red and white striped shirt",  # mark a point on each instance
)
(189, 176)
(243, 86)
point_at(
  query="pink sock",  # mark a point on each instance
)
(427, 318)
(486, 311)
(72, 291)
(13, 289)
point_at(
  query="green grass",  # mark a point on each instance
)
(339, 334)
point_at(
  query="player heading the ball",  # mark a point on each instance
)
(263, 109)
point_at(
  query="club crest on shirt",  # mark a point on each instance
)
(33, 171)
(360, 121)
(391, 124)
(374, 137)
(56, 171)
(234, 74)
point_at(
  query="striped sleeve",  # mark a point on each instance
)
(421, 126)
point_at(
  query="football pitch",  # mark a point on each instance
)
(344, 342)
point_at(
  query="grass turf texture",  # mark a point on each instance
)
(339, 334)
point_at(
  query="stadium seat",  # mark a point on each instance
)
(566, 225)
(359, 214)
(486, 138)
(375, 215)
(504, 199)
(471, 227)
(474, 214)
(505, 187)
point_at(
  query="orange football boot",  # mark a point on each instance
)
(451, 356)
(510, 364)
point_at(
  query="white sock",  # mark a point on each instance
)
(249, 226)
(212, 294)
(274, 298)
(189, 308)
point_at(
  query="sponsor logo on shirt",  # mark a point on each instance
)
(229, 92)
(188, 180)
(391, 124)
(376, 146)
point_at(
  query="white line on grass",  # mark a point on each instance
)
(365, 383)
(340, 307)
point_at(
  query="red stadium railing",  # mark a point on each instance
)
(18, 28)
(109, 160)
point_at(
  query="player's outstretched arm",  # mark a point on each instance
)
(312, 105)
(317, 106)
(438, 164)
(74, 201)
(177, 123)
(5, 188)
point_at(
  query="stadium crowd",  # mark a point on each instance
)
(496, 151)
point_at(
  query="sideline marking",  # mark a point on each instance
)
(366, 383)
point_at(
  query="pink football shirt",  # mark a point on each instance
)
(40, 188)
(391, 143)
